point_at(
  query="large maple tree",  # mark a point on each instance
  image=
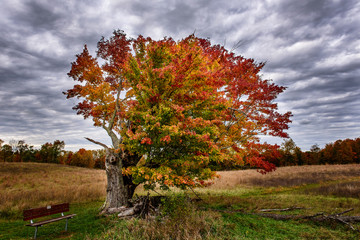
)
(171, 108)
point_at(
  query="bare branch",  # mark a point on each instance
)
(98, 143)
(341, 213)
(281, 209)
(199, 198)
(156, 192)
(237, 45)
(348, 224)
(239, 111)
(319, 217)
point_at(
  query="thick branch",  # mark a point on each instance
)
(98, 143)
(117, 107)
(115, 140)
(109, 129)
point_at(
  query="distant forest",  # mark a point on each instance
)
(340, 152)
(19, 151)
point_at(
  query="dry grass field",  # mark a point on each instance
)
(28, 185)
(288, 176)
(25, 185)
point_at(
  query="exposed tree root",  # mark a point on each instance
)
(140, 207)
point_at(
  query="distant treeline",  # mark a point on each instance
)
(340, 152)
(19, 151)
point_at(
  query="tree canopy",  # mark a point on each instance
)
(178, 106)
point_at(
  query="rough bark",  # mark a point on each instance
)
(116, 192)
(120, 189)
(129, 186)
(127, 161)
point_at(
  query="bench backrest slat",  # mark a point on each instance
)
(45, 211)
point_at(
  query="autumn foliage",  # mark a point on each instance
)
(19, 151)
(181, 105)
(345, 151)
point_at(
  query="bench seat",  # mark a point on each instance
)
(34, 213)
(39, 224)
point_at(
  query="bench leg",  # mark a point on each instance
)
(36, 228)
(66, 224)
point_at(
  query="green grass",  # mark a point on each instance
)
(237, 205)
(223, 223)
(245, 226)
(86, 222)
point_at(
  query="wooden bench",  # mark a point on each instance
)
(33, 213)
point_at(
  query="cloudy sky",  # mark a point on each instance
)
(310, 46)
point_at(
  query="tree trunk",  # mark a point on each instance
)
(116, 194)
(120, 189)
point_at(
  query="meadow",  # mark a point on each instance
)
(30, 185)
(228, 209)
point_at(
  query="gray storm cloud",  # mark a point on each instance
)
(312, 47)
